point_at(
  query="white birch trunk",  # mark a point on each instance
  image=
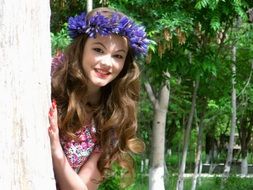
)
(180, 181)
(198, 155)
(233, 118)
(89, 5)
(156, 171)
(200, 172)
(244, 166)
(25, 95)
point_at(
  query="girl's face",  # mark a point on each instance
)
(104, 58)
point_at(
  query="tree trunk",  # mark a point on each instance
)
(245, 139)
(245, 130)
(156, 172)
(198, 153)
(180, 181)
(245, 126)
(233, 120)
(89, 5)
(25, 95)
(244, 166)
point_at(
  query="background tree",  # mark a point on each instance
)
(160, 106)
(244, 97)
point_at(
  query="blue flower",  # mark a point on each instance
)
(99, 24)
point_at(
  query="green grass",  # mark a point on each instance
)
(214, 183)
(210, 183)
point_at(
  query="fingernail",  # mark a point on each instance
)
(54, 103)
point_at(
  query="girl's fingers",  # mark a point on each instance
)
(50, 130)
(52, 116)
(51, 123)
(50, 113)
(54, 103)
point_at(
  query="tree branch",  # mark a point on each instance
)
(248, 81)
(150, 92)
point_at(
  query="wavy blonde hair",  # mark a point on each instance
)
(115, 115)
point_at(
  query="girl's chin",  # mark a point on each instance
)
(99, 80)
(99, 84)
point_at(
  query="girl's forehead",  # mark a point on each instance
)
(112, 41)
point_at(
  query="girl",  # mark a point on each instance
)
(96, 87)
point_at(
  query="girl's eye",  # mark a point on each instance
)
(118, 56)
(98, 50)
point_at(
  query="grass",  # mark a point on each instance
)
(207, 183)
(214, 183)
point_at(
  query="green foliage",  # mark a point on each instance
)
(152, 45)
(210, 183)
(145, 120)
(175, 20)
(202, 4)
(112, 182)
(237, 183)
(172, 162)
(215, 23)
(207, 183)
(60, 40)
(213, 105)
(232, 183)
(115, 181)
(61, 10)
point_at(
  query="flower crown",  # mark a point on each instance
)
(115, 25)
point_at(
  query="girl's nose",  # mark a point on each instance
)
(106, 61)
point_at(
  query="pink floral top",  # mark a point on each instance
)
(78, 152)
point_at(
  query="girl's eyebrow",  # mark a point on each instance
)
(121, 50)
(99, 43)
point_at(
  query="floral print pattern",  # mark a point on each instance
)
(78, 151)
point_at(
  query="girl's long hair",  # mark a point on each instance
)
(115, 115)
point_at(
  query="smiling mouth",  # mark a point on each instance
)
(102, 73)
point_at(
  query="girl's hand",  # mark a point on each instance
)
(53, 130)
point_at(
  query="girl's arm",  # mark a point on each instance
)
(68, 179)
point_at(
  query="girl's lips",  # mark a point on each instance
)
(102, 73)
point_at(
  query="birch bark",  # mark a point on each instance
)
(156, 172)
(233, 118)
(198, 153)
(180, 181)
(25, 95)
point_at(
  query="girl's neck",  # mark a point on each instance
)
(93, 95)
